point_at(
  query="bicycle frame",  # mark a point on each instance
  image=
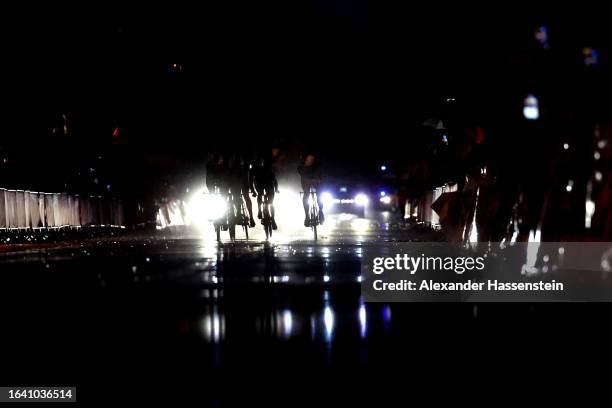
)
(237, 215)
(313, 211)
(218, 222)
(266, 220)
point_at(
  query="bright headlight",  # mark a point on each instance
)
(361, 199)
(203, 208)
(215, 207)
(327, 199)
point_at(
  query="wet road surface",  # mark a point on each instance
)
(174, 317)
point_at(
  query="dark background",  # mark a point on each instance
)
(353, 81)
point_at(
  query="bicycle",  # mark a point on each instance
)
(237, 216)
(220, 220)
(313, 212)
(266, 219)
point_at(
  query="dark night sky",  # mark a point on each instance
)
(322, 71)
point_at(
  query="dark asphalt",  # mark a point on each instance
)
(172, 317)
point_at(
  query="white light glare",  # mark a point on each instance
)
(328, 321)
(361, 199)
(205, 207)
(360, 224)
(589, 212)
(385, 200)
(327, 199)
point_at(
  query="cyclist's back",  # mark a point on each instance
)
(216, 175)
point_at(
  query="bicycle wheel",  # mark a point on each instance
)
(244, 218)
(266, 229)
(314, 215)
(266, 221)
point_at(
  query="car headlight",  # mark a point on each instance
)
(216, 207)
(327, 199)
(203, 208)
(361, 199)
(385, 200)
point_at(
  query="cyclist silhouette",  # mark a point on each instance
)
(265, 183)
(310, 175)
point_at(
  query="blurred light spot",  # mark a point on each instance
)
(362, 320)
(591, 57)
(346, 217)
(598, 176)
(360, 224)
(386, 314)
(531, 109)
(474, 229)
(605, 261)
(541, 36)
(589, 212)
(532, 252)
(385, 200)
(328, 321)
(287, 323)
(327, 199)
(361, 199)
(213, 326)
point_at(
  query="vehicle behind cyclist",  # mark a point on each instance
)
(310, 175)
(265, 184)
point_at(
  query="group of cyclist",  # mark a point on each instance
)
(236, 178)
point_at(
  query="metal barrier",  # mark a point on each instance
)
(21, 209)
